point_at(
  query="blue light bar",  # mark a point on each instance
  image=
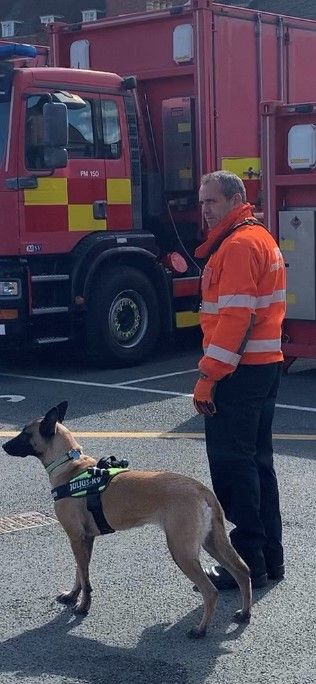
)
(17, 50)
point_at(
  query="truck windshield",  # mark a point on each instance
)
(4, 127)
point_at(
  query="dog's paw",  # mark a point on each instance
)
(81, 608)
(242, 616)
(67, 597)
(196, 633)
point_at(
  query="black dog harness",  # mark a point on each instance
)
(91, 483)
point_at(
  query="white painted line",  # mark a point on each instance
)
(95, 384)
(123, 386)
(156, 377)
(296, 408)
(62, 380)
(152, 391)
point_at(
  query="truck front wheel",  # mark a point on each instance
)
(123, 319)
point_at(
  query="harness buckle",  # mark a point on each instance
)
(111, 462)
(96, 472)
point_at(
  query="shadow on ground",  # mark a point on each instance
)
(163, 654)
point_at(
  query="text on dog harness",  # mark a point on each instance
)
(90, 483)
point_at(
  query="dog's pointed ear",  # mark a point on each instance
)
(61, 409)
(56, 414)
(47, 426)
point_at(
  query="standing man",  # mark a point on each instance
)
(243, 306)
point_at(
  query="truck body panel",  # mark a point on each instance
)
(290, 202)
(243, 57)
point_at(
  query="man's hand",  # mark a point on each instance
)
(203, 396)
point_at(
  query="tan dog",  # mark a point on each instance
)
(188, 512)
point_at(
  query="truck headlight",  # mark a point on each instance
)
(9, 288)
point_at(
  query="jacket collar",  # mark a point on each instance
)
(224, 228)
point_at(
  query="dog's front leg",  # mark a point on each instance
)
(69, 597)
(82, 550)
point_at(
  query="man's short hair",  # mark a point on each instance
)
(229, 183)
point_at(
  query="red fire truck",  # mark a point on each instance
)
(101, 154)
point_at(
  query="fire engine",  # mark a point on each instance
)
(104, 137)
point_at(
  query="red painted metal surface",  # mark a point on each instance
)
(288, 189)
(241, 57)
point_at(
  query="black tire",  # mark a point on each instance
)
(123, 318)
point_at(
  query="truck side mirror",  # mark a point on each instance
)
(55, 157)
(55, 119)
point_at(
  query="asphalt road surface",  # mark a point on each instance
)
(142, 605)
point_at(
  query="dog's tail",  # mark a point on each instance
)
(218, 545)
(213, 503)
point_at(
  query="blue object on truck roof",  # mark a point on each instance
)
(17, 50)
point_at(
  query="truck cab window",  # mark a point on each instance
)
(80, 133)
(112, 144)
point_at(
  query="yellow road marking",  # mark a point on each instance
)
(163, 435)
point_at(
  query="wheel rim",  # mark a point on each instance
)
(128, 318)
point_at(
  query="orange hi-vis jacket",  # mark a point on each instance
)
(243, 295)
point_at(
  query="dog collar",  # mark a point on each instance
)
(71, 455)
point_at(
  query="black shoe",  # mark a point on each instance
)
(276, 572)
(223, 580)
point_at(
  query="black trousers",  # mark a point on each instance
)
(240, 454)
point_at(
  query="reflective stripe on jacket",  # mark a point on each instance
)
(243, 302)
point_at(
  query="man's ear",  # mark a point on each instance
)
(237, 200)
(61, 410)
(47, 426)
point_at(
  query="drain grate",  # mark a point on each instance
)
(24, 521)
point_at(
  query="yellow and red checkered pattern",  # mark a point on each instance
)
(66, 204)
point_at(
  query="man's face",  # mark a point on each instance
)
(214, 204)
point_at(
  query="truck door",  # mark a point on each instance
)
(60, 206)
(117, 163)
(91, 194)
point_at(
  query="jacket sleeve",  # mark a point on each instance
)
(237, 296)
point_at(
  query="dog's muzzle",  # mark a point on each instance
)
(19, 446)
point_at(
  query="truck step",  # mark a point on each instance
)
(49, 278)
(50, 310)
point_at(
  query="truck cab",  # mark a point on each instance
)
(75, 236)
